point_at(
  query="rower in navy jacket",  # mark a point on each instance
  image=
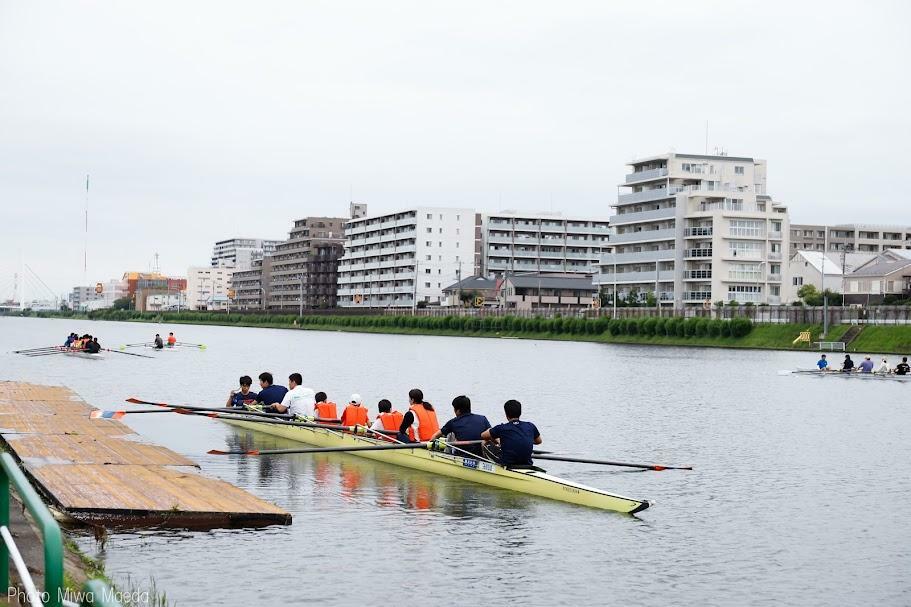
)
(517, 438)
(465, 426)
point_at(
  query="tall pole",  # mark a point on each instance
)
(85, 241)
(825, 298)
(300, 307)
(614, 255)
(414, 297)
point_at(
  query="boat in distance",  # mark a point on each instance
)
(83, 354)
(853, 375)
(531, 482)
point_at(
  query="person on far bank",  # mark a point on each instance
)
(516, 438)
(822, 364)
(848, 365)
(297, 400)
(465, 426)
(903, 368)
(270, 394)
(420, 421)
(355, 413)
(866, 366)
(324, 410)
(244, 396)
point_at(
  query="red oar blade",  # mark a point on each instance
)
(137, 401)
(217, 452)
(99, 414)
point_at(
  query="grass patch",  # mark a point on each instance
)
(883, 339)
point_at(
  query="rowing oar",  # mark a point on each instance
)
(44, 349)
(48, 352)
(99, 414)
(423, 445)
(560, 458)
(234, 410)
(127, 353)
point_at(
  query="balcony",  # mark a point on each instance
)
(655, 214)
(697, 275)
(644, 195)
(775, 255)
(697, 232)
(633, 257)
(775, 235)
(697, 296)
(634, 277)
(774, 277)
(643, 235)
(698, 253)
(646, 175)
(745, 297)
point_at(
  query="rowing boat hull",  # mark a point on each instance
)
(483, 472)
(88, 355)
(854, 375)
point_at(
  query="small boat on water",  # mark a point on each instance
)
(83, 354)
(531, 482)
(853, 375)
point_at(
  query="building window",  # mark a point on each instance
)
(427, 271)
(797, 281)
(441, 245)
(738, 170)
(430, 230)
(429, 215)
(429, 244)
(429, 257)
(457, 245)
(441, 230)
(427, 285)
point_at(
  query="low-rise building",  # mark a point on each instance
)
(886, 276)
(541, 242)
(207, 287)
(807, 267)
(532, 291)
(82, 295)
(474, 291)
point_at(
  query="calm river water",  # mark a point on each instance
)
(801, 493)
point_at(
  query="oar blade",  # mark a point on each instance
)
(99, 414)
(219, 452)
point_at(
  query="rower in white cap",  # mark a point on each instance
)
(355, 414)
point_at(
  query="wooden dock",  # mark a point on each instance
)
(100, 472)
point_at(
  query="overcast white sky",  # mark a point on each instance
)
(200, 121)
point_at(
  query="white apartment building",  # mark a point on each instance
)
(80, 296)
(697, 229)
(850, 237)
(403, 258)
(240, 253)
(207, 287)
(517, 242)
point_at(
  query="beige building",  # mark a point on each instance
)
(697, 229)
(536, 291)
(207, 287)
(851, 238)
(887, 275)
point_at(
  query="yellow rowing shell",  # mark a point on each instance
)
(531, 482)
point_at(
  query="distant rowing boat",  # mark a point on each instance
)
(852, 375)
(82, 354)
(531, 482)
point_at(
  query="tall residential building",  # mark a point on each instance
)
(303, 260)
(250, 288)
(696, 229)
(403, 258)
(523, 242)
(80, 296)
(854, 237)
(207, 287)
(240, 253)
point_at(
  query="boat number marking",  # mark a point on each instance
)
(476, 465)
(570, 489)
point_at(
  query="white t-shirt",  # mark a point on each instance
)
(299, 400)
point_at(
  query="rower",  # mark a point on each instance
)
(822, 364)
(324, 410)
(237, 399)
(903, 368)
(270, 394)
(69, 340)
(355, 414)
(387, 419)
(866, 366)
(296, 400)
(172, 341)
(159, 345)
(419, 413)
(883, 368)
(517, 438)
(465, 426)
(848, 365)
(93, 347)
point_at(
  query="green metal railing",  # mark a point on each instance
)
(53, 592)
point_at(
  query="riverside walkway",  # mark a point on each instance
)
(100, 472)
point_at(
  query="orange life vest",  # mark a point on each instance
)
(172, 340)
(326, 410)
(427, 423)
(390, 421)
(354, 414)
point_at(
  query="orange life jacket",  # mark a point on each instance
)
(427, 423)
(172, 340)
(326, 410)
(354, 414)
(390, 421)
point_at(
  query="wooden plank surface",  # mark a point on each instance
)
(101, 472)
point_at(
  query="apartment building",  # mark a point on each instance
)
(544, 242)
(80, 296)
(696, 229)
(250, 288)
(850, 238)
(207, 287)
(240, 253)
(406, 258)
(300, 265)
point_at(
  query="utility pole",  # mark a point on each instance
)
(825, 297)
(300, 307)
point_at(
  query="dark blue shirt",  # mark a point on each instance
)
(467, 427)
(517, 440)
(271, 395)
(238, 399)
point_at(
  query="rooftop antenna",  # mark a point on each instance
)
(156, 269)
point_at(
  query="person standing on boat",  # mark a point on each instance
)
(172, 341)
(323, 410)
(420, 415)
(355, 414)
(270, 393)
(237, 399)
(848, 365)
(387, 419)
(866, 366)
(465, 426)
(822, 364)
(883, 368)
(159, 344)
(296, 400)
(517, 439)
(903, 368)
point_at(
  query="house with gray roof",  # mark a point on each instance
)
(887, 274)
